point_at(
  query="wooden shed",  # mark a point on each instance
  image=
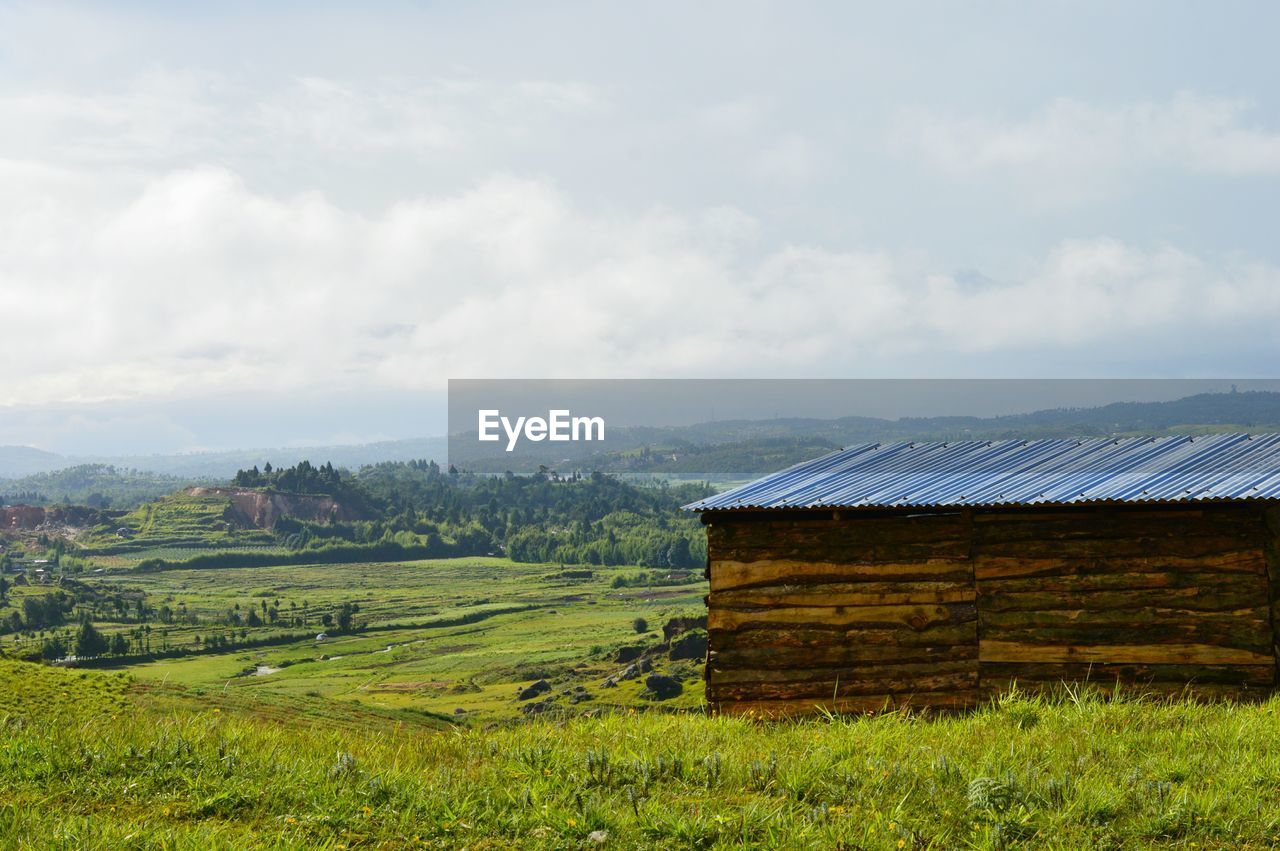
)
(936, 574)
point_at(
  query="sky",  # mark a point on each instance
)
(249, 225)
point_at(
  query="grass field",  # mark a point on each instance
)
(90, 759)
(408, 732)
(453, 637)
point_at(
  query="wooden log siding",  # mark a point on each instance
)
(851, 615)
(859, 613)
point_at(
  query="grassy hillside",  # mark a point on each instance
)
(149, 767)
(176, 526)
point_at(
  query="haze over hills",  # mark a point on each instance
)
(18, 461)
(730, 447)
(24, 460)
(755, 447)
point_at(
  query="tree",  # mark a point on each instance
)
(119, 644)
(345, 613)
(640, 625)
(90, 642)
(53, 648)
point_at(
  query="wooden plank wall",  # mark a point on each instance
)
(848, 616)
(862, 613)
(1156, 597)
(1272, 550)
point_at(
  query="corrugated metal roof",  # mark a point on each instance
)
(1021, 472)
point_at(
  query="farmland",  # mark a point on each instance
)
(453, 637)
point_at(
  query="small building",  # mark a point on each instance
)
(937, 574)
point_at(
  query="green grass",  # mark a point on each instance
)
(358, 742)
(464, 634)
(58, 693)
(175, 526)
(1082, 772)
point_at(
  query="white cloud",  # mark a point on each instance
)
(792, 159)
(1076, 149)
(165, 117)
(201, 285)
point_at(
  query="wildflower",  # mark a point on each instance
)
(217, 710)
(367, 809)
(893, 825)
(902, 843)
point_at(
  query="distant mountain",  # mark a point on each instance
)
(223, 465)
(23, 461)
(753, 447)
(18, 461)
(94, 485)
(728, 447)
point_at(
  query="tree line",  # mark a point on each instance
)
(416, 509)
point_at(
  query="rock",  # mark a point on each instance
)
(628, 654)
(599, 837)
(581, 696)
(459, 711)
(612, 682)
(629, 673)
(691, 645)
(533, 690)
(675, 626)
(662, 686)
(646, 665)
(535, 708)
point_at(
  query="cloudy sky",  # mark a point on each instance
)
(239, 227)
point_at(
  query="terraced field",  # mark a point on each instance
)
(174, 527)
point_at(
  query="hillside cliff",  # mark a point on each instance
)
(261, 508)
